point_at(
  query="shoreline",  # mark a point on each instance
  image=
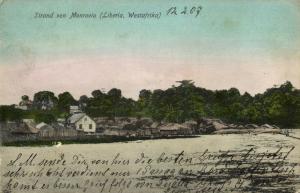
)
(92, 140)
(125, 139)
(248, 131)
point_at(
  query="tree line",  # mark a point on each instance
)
(278, 105)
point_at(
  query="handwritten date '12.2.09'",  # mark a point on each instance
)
(194, 10)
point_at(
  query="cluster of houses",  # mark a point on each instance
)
(80, 124)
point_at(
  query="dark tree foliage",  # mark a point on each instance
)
(97, 94)
(112, 104)
(278, 105)
(25, 98)
(9, 113)
(65, 100)
(44, 117)
(83, 99)
(176, 104)
(115, 93)
(45, 100)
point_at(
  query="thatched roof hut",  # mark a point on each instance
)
(26, 127)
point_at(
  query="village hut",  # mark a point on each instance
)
(171, 129)
(251, 126)
(26, 127)
(111, 132)
(82, 122)
(144, 123)
(56, 131)
(62, 131)
(145, 132)
(193, 125)
(267, 126)
(46, 131)
(208, 125)
(118, 132)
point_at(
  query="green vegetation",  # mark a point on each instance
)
(111, 104)
(279, 105)
(10, 113)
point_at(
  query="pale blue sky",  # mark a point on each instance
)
(257, 36)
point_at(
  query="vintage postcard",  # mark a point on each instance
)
(140, 96)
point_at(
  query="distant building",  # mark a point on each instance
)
(61, 121)
(24, 105)
(82, 122)
(21, 107)
(170, 129)
(45, 130)
(75, 110)
(25, 127)
(119, 132)
(55, 131)
(40, 125)
(28, 121)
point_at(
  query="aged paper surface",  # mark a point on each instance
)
(150, 96)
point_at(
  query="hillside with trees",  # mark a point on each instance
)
(278, 105)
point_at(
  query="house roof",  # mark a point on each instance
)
(73, 107)
(47, 127)
(76, 117)
(58, 126)
(26, 128)
(28, 120)
(171, 126)
(40, 125)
